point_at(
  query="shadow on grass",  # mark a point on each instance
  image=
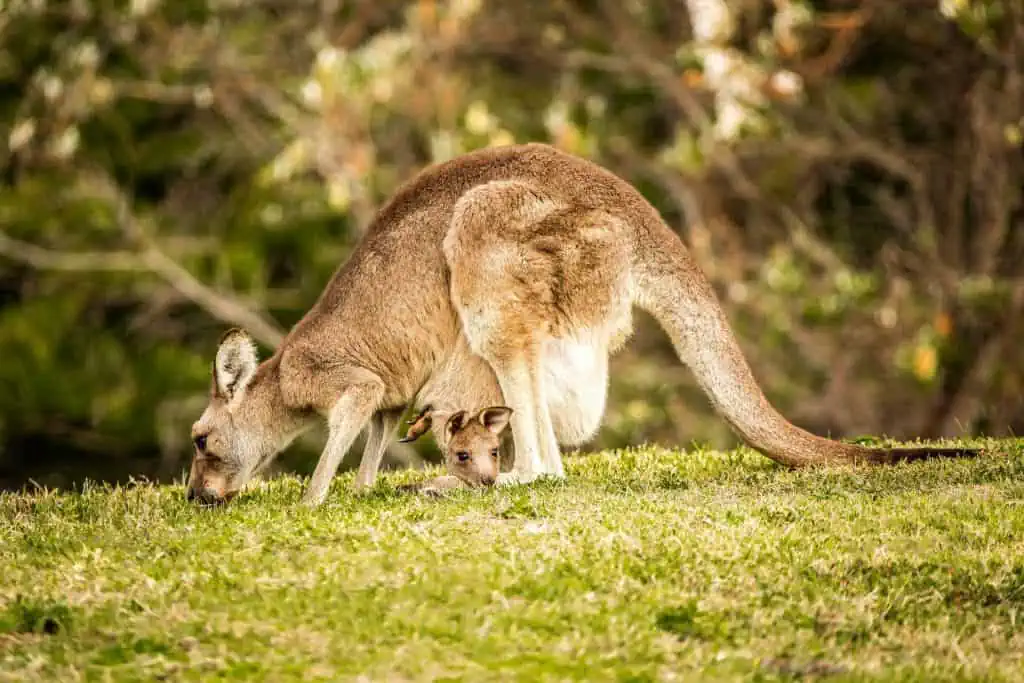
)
(37, 616)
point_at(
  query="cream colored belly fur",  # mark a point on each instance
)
(575, 376)
(574, 372)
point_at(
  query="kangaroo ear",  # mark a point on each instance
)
(456, 422)
(235, 363)
(495, 418)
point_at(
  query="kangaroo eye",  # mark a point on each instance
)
(494, 453)
(200, 442)
(463, 456)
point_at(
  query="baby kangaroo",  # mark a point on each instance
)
(471, 445)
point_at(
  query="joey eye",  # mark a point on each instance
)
(463, 456)
(494, 453)
(200, 442)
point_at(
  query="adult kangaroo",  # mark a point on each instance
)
(514, 269)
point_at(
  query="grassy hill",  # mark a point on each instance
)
(646, 564)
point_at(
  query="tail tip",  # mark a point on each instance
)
(888, 456)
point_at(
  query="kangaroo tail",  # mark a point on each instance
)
(670, 286)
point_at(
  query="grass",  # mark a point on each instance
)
(644, 565)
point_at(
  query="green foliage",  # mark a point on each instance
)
(100, 351)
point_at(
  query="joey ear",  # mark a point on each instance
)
(235, 363)
(495, 418)
(456, 422)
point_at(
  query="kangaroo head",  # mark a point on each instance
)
(473, 444)
(240, 431)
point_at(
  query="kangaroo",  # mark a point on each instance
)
(524, 257)
(471, 444)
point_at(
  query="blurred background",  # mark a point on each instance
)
(848, 174)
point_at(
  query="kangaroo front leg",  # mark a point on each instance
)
(382, 425)
(345, 419)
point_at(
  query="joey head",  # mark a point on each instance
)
(472, 443)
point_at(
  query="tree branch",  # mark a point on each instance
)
(150, 260)
(69, 262)
(218, 305)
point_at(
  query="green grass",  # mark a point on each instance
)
(644, 565)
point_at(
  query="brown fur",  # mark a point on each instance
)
(510, 270)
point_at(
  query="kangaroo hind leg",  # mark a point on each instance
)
(504, 288)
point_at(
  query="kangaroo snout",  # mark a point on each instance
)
(205, 496)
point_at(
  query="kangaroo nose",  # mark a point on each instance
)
(487, 480)
(191, 495)
(205, 496)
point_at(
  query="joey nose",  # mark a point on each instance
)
(487, 480)
(191, 495)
